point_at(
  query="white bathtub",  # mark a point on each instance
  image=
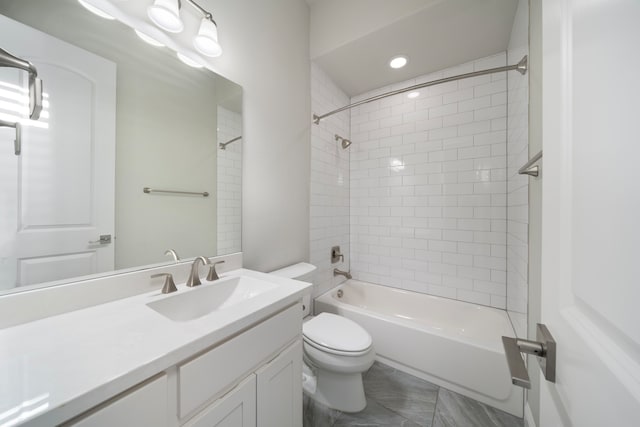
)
(454, 344)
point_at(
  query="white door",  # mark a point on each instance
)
(58, 195)
(591, 211)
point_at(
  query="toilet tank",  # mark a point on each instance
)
(304, 272)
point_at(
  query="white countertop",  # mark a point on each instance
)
(58, 367)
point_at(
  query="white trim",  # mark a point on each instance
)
(529, 421)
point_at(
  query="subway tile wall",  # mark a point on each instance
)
(428, 178)
(518, 185)
(229, 186)
(329, 221)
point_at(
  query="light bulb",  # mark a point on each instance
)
(166, 15)
(206, 42)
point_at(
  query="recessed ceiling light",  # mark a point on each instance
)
(413, 95)
(398, 62)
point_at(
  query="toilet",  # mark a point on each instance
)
(336, 351)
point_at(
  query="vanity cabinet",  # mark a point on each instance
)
(279, 389)
(144, 405)
(235, 409)
(251, 379)
(270, 397)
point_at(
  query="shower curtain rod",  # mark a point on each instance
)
(521, 67)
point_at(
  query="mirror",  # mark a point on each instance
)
(119, 116)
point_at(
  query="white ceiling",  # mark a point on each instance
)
(353, 40)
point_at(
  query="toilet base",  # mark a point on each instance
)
(340, 391)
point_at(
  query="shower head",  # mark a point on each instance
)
(345, 142)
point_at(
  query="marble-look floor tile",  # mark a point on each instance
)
(374, 415)
(317, 415)
(404, 394)
(455, 410)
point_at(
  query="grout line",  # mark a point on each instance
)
(435, 407)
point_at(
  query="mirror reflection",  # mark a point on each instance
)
(119, 116)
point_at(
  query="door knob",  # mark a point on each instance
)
(104, 239)
(544, 348)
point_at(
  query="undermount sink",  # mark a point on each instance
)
(192, 303)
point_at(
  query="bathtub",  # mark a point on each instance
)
(453, 344)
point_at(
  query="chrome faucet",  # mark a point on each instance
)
(337, 272)
(173, 253)
(194, 277)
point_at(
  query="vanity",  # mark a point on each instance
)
(150, 359)
(136, 156)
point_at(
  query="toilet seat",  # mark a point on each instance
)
(334, 351)
(336, 335)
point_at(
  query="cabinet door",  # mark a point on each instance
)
(280, 389)
(235, 409)
(146, 405)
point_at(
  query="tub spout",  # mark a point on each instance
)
(337, 272)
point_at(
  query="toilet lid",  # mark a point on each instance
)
(336, 333)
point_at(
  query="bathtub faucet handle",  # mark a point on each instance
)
(336, 255)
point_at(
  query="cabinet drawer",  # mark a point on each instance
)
(236, 408)
(211, 373)
(144, 405)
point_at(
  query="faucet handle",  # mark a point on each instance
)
(336, 255)
(169, 285)
(213, 274)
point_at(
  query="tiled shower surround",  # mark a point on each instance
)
(428, 187)
(229, 191)
(329, 220)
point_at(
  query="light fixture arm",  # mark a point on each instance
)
(35, 84)
(202, 10)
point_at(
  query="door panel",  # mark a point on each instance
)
(280, 389)
(235, 409)
(56, 172)
(43, 269)
(58, 196)
(591, 206)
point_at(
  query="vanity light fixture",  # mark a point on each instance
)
(206, 42)
(398, 62)
(95, 10)
(166, 15)
(147, 38)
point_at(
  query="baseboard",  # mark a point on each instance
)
(528, 416)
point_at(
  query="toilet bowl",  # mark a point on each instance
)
(336, 351)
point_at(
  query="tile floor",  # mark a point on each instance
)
(395, 398)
